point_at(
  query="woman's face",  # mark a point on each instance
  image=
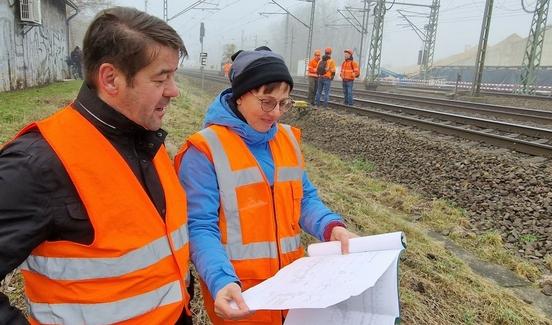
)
(249, 104)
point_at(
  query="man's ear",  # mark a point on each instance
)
(109, 79)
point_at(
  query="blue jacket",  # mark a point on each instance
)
(197, 175)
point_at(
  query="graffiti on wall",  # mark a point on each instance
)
(7, 55)
(45, 50)
(32, 55)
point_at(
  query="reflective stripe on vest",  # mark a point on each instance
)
(230, 180)
(59, 268)
(107, 313)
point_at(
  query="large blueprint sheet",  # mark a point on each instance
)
(330, 288)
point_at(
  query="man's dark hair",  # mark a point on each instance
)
(127, 38)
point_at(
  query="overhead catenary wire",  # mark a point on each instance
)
(525, 9)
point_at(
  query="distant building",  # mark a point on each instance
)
(33, 42)
(502, 63)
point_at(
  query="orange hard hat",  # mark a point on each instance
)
(349, 51)
(317, 52)
(328, 50)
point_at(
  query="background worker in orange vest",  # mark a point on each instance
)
(90, 204)
(313, 76)
(226, 68)
(248, 193)
(326, 72)
(349, 71)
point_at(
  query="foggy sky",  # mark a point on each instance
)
(239, 22)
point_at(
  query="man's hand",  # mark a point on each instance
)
(343, 235)
(226, 301)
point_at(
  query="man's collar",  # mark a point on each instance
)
(105, 116)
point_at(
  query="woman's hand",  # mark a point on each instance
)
(229, 303)
(343, 235)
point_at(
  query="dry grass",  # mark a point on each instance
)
(435, 286)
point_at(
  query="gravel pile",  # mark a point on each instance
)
(500, 190)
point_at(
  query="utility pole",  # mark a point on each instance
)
(482, 48)
(242, 40)
(201, 35)
(165, 11)
(365, 16)
(427, 34)
(430, 35)
(291, 47)
(286, 40)
(360, 26)
(374, 55)
(145, 5)
(533, 49)
(309, 27)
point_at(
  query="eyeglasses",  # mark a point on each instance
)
(269, 104)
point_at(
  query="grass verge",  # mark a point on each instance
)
(435, 286)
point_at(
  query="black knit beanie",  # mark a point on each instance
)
(252, 69)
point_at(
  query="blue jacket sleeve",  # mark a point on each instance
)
(198, 177)
(315, 216)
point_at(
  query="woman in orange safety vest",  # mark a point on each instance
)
(248, 193)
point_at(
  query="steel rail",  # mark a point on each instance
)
(537, 148)
(540, 133)
(511, 112)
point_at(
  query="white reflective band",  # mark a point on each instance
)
(180, 237)
(245, 177)
(73, 268)
(227, 185)
(290, 244)
(106, 313)
(251, 251)
(289, 174)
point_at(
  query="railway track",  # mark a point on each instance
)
(539, 117)
(448, 90)
(522, 138)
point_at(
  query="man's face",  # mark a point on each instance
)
(347, 55)
(146, 101)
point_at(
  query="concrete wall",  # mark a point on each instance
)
(32, 56)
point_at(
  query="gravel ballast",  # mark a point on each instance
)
(499, 190)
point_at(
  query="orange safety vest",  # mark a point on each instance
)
(349, 70)
(227, 67)
(135, 270)
(330, 69)
(313, 63)
(259, 226)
